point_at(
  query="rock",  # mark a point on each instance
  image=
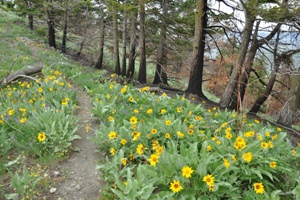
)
(56, 173)
(52, 190)
(78, 187)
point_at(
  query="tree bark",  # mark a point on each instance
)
(20, 73)
(99, 64)
(142, 69)
(259, 101)
(132, 51)
(51, 27)
(30, 21)
(116, 40)
(64, 38)
(84, 32)
(256, 44)
(30, 15)
(291, 107)
(231, 89)
(124, 36)
(160, 73)
(196, 79)
(81, 47)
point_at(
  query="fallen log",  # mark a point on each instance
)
(24, 72)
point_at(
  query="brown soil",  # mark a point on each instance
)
(82, 181)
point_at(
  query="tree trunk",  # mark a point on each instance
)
(116, 41)
(124, 36)
(259, 101)
(81, 47)
(277, 60)
(99, 63)
(132, 51)
(51, 27)
(291, 107)
(248, 67)
(256, 44)
(30, 70)
(30, 15)
(84, 32)
(30, 21)
(160, 73)
(64, 38)
(195, 82)
(232, 87)
(142, 69)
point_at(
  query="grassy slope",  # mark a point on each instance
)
(20, 48)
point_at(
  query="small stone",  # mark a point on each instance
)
(78, 187)
(56, 173)
(52, 190)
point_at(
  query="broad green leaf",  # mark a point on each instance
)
(296, 191)
(146, 191)
(275, 195)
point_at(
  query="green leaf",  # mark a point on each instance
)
(203, 148)
(275, 195)
(147, 191)
(296, 191)
(189, 193)
(118, 193)
(226, 184)
(11, 196)
(165, 195)
(201, 169)
(166, 169)
(281, 137)
(266, 173)
(257, 172)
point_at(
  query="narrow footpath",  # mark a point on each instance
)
(82, 180)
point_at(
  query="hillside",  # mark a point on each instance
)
(73, 132)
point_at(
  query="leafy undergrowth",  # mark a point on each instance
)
(37, 123)
(37, 114)
(168, 148)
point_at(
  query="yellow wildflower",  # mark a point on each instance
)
(112, 135)
(149, 111)
(124, 161)
(167, 135)
(226, 163)
(87, 128)
(168, 122)
(123, 141)
(133, 120)
(247, 156)
(259, 188)
(208, 179)
(23, 120)
(273, 164)
(163, 111)
(153, 159)
(41, 136)
(187, 172)
(112, 151)
(140, 149)
(175, 186)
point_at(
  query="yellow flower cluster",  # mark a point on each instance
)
(240, 143)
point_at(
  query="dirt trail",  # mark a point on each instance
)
(82, 179)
